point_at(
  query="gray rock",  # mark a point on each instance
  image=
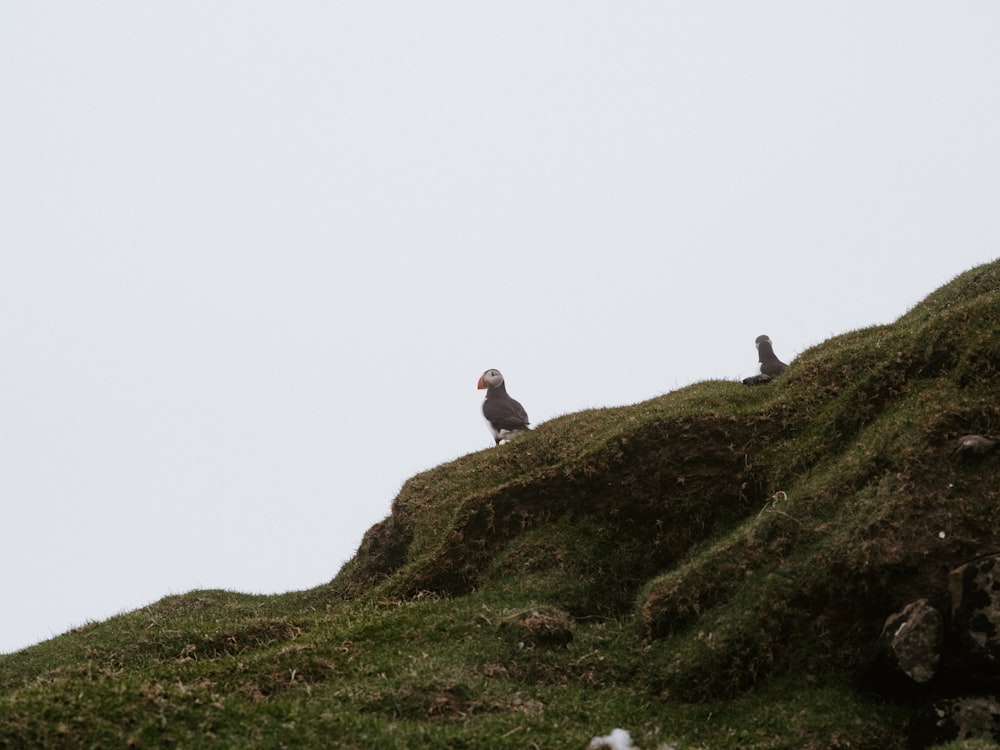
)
(975, 612)
(974, 445)
(912, 638)
(967, 718)
(907, 654)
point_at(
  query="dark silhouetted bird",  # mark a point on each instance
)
(505, 416)
(770, 365)
(769, 362)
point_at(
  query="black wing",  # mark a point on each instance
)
(505, 414)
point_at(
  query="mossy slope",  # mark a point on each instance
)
(727, 554)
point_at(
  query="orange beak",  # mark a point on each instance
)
(480, 385)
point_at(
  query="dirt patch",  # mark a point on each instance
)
(544, 626)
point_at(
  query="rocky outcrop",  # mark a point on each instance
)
(908, 651)
(974, 445)
(966, 718)
(951, 663)
(975, 615)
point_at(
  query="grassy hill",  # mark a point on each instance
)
(707, 569)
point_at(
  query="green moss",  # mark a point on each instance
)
(704, 569)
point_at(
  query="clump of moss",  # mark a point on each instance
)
(540, 626)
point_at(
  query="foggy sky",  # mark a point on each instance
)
(253, 258)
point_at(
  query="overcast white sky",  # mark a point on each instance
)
(254, 256)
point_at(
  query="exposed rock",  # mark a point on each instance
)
(969, 718)
(975, 613)
(908, 651)
(974, 445)
(954, 669)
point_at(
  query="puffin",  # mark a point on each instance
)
(505, 417)
(769, 362)
(770, 365)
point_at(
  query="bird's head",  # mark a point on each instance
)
(762, 340)
(489, 379)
